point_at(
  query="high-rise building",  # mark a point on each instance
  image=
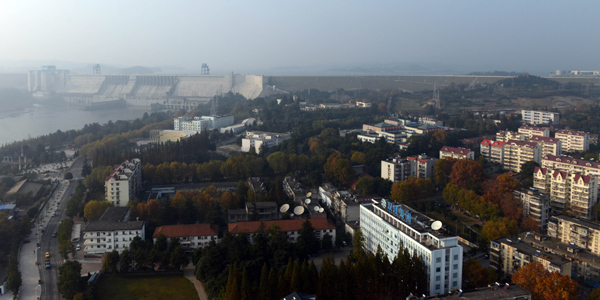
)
(399, 169)
(395, 226)
(492, 151)
(573, 192)
(535, 204)
(516, 153)
(124, 182)
(552, 146)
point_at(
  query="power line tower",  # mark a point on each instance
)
(96, 69)
(436, 96)
(204, 70)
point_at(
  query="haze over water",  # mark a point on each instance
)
(44, 119)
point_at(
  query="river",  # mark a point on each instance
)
(42, 119)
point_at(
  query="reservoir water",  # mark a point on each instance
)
(42, 119)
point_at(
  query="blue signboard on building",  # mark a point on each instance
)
(397, 210)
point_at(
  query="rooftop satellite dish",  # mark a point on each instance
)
(307, 201)
(309, 194)
(298, 210)
(437, 225)
(284, 208)
(321, 209)
(291, 214)
(317, 209)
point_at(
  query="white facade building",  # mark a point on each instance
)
(394, 227)
(190, 236)
(492, 151)
(574, 141)
(258, 139)
(540, 117)
(399, 169)
(198, 124)
(516, 153)
(456, 153)
(105, 236)
(552, 146)
(535, 204)
(124, 182)
(530, 131)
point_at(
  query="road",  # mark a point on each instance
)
(49, 220)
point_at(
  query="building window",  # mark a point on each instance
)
(438, 259)
(437, 278)
(455, 256)
(437, 286)
(437, 270)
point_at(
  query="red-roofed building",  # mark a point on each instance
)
(516, 153)
(574, 141)
(492, 151)
(190, 236)
(124, 182)
(290, 228)
(569, 164)
(506, 135)
(552, 146)
(572, 191)
(531, 131)
(456, 153)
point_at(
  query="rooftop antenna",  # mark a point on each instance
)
(204, 70)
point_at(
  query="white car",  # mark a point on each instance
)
(78, 247)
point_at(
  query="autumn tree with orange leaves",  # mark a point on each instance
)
(467, 174)
(500, 192)
(543, 284)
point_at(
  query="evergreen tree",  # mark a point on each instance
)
(296, 282)
(246, 288)
(263, 290)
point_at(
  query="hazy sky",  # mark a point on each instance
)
(260, 36)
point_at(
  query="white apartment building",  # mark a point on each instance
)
(124, 182)
(535, 204)
(552, 146)
(190, 236)
(492, 151)
(540, 117)
(531, 131)
(395, 226)
(105, 236)
(456, 153)
(516, 153)
(574, 141)
(259, 139)
(198, 124)
(575, 231)
(571, 165)
(399, 169)
(568, 191)
(507, 135)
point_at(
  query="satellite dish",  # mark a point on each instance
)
(284, 208)
(317, 209)
(291, 214)
(307, 201)
(309, 194)
(437, 225)
(298, 210)
(321, 209)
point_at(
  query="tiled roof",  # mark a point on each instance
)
(572, 161)
(170, 231)
(545, 139)
(455, 150)
(492, 143)
(522, 143)
(533, 128)
(284, 225)
(559, 173)
(585, 178)
(571, 132)
(110, 225)
(538, 169)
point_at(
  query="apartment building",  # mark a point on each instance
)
(190, 236)
(531, 131)
(580, 233)
(573, 192)
(124, 182)
(456, 153)
(394, 227)
(540, 117)
(552, 146)
(510, 254)
(574, 141)
(492, 151)
(535, 204)
(507, 135)
(571, 165)
(516, 153)
(105, 236)
(399, 169)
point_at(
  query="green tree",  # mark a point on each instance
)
(69, 279)
(358, 241)
(68, 176)
(110, 264)
(179, 259)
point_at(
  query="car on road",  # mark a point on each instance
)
(54, 234)
(47, 254)
(78, 247)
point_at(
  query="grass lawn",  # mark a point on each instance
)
(146, 287)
